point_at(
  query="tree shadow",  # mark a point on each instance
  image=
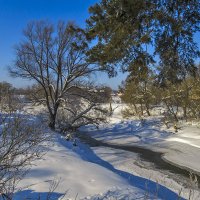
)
(32, 195)
(130, 132)
(153, 189)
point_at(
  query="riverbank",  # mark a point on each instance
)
(147, 164)
(181, 148)
(167, 150)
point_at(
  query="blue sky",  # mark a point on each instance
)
(15, 14)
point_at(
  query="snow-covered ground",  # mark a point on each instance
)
(181, 149)
(77, 176)
(85, 172)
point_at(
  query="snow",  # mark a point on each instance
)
(79, 171)
(76, 175)
(180, 148)
(184, 147)
(125, 194)
(85, 172)
(140, 173)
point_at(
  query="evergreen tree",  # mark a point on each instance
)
(125, 28)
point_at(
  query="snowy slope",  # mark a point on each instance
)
(102, 173)
(79, 173)
(184, 148)
(181, 149)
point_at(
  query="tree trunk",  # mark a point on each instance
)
(136, 110)
(147, 110)
(175, 117)
(52, 118)
(52, 122)
(141, 106)
(185, 112)
(148, 113)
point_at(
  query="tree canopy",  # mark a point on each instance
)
(126, 29)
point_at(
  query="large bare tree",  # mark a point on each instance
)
(55, 57)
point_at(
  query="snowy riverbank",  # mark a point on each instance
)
(92, 172)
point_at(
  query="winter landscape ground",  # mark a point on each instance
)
(90, 171)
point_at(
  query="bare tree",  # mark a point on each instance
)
(55, 57)
(19, 147)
